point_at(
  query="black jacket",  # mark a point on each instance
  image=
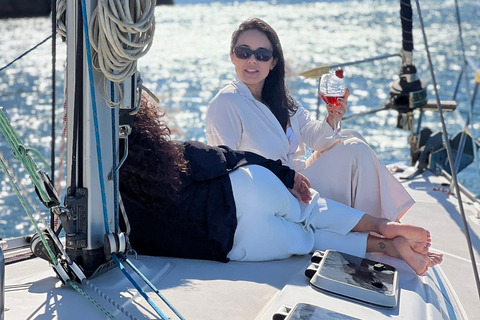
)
(201, 223)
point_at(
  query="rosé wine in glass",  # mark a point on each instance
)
(330, 88)
(332, 100)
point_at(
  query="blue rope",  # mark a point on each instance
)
(152, 286)
(129, 277)
(100, 165)
(95, 120)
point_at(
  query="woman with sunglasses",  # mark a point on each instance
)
(255, 112)
(192, 200)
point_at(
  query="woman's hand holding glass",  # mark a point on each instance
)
(335, 114)
(332, 90)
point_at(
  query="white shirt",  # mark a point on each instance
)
(236, 119)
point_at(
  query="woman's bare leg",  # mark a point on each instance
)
(418, 238)
(399, 247)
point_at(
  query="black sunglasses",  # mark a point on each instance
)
(261, 54)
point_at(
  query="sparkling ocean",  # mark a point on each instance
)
(189, 62)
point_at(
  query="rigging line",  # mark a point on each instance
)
(24, 204)
(52, 148)
(25, 53)
(135, 284)
(109, 300)
(23, 154)
(24, 191)
(125, 219)
(100, 162)
(361, 114)
(113, 110)
(76, 168)
(95, 120)
(449, 151)
(47, 247)
(90, 299)
(472, 99)
(152, 286)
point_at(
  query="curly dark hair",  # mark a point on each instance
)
(154, 165)
(275, 91)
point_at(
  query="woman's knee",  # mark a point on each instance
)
(352, 134)
(358, 146)
(258, 192)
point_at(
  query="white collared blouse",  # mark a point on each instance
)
(236, 119)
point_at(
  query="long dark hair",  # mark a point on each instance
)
(152, 170)
(275, 92)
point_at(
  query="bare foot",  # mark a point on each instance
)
(435, 258)
(418, 238)
(417, 261)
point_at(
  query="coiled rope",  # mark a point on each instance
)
(60, 14)
(121, 32)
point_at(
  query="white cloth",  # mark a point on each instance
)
(272, 224)
(292, 141)
(349, 172)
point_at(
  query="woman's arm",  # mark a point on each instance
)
(208, 162)
(313, 132)
(296, 183)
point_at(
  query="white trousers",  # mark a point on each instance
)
(272, 224)
(351, 173)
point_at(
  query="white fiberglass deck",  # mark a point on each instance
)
(439, 212)
(238, 290)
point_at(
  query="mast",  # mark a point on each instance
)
(84, 222)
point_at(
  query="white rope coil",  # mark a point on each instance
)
(121, 32)
(61, 6)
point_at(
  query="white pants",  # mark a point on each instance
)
(272, 224)
(351, 173)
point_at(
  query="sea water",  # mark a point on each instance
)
(189, 62)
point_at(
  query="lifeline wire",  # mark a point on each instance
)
(25, 53)
(449, 151)
(470, 120)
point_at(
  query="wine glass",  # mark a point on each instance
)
(330, 88)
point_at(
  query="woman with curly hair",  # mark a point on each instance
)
(191, 200)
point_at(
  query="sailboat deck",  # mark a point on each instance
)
(439, 212)
(239, 290)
